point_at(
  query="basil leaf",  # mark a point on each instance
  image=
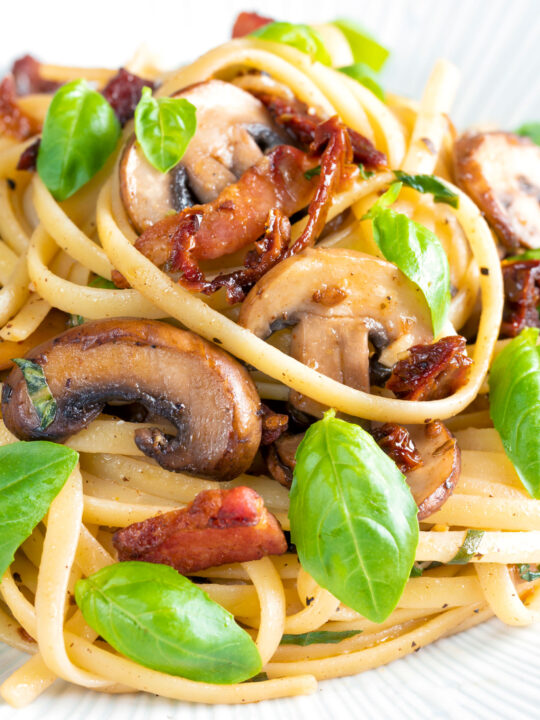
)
(364, 47)
(158, 618)
(164, 128)
(323, 637)
(530, 130)
(429, 184)
(514, 395)
(353, 518)
(362, 73)
(38, 391)
(101, 282)
(416, 251)
(302, 37)
(79, 133)
(416, 571)
(527, 255)
(313, 172)
(31, 476)
(527, 574)
(469, 549)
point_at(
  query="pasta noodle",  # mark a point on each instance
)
(50, 251)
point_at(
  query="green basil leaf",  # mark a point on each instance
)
(31, 476)
(164, 128)
(530, 130)
(362, 73)
(353, 518)
(514, 395)
(79, 134)
(416, 571)
(38, 391)
(416, 251)
(158, 618)
(313, 172)
(429, 184)
(527, 574)
(322, 637)
(101, 282)
(469, 549)
(364, 47)
(302, 37)
(527, 255)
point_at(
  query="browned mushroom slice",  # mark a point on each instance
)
(340, 301)
(205, 393)
(433, 482)
(281, 458)
(233, 131)
(501, 172)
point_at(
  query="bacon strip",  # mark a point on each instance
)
(301, 123)
(218, 527)
(521, 296)
(431, 372)
(13, 121)
(248, 22)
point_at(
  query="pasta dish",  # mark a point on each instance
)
(269, 369)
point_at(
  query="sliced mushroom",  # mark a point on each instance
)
(501, 172)
(340, 301)
(176, 375)
(233, 131)
(432, 483)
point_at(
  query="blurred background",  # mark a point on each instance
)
(495, 43)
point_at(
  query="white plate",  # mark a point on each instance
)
(491, 671)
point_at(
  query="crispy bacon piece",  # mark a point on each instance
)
(218, 527)
(13, 121)
(123, 92)
(273, 425)
(301, 123)
(521, 296)
(248, 22)
(28, 159)
(27, 75)
(397, 443)
(431, 372)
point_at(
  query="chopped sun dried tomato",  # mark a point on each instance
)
(123, 92)
(13, 121)
(521, 296)
(397, 443)
(248, 22)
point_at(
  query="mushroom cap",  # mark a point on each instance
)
(206, 394)
(433, 482)
(233, 129)
(501, 172)
(338, 283)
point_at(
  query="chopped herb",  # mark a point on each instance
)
(38, 391)
(101, 282)
(527, 574)
(365, 174)
(469, 549)
(309, 174)
(322, 637)
(429, 184)
(416, 571)
(527, 255)
(75, 320)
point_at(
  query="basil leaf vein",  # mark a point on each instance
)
(321, 637)
(31, 476)
(514, 394)
(429, 184)
(164, 128)
(416, 251)
(38, 391)
(353, 518)
(302, 37)
(469, 548)
(79, 134)
(158, 618)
